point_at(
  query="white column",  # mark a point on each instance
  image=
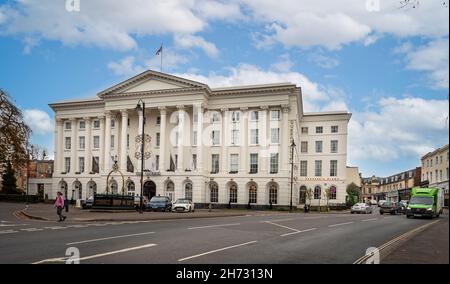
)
(123, 144)
(285, 139)
(101, 158)
(59, 157)
(199, 138)
(244, 141)
(162, 141)
(107, 148)
(87, 146)
(180, 166)
(264, 140)
(224, 142)
(73, 155)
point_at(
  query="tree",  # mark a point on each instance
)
(9, 181)
(354, 192)
(14, 133)
(415, 3)
(328, 196)
(309, 195)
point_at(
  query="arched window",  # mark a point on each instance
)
(170, 190)
(113, 186)
(317, 192)
(78, 190)
(333, 192)
(233, 193)
(214, 192)
(130, 187)
(302, 195)
(252, 193)
(273, 193)
(92, 188)
(188, 191)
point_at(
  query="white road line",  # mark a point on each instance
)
(76, 226)
(97, 225)
(31, 230)
(63, 259)
(280, 220)
(289, 228)
(55, 228)
(217, 250)
(367, 220)
(109, 238)
(213, 226)
(307, 230)
(340, 224)
(8, 232)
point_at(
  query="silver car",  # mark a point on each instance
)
(361, 208)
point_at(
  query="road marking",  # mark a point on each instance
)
(63, 259)
(307, 230)
(280, 220)
(340, 224)
(8, 232)
(109, 238)
(31, 230)
(213, 226)
(217, 250)
(363, 258)
(286, 227)
(97, 225)
(77, 226)
(55, 228)
(367, 220)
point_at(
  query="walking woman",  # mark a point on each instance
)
(59, 204)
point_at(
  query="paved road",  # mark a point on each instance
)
(269, 238)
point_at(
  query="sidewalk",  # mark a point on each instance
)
(46, 212)
(430, 246)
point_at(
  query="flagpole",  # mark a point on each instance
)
(161, 56)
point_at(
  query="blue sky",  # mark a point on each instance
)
(386, 65)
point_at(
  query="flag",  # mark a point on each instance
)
(158, 52)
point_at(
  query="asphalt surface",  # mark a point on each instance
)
(267, 238)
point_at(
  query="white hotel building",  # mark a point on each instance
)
(220, 146)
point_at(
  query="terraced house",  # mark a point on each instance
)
(223, 146)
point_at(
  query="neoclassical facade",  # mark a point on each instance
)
(222, 146)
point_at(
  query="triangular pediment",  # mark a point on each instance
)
(152, 81)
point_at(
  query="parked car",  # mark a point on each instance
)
(402, 205)
(159, 203)
(380, 202)
(373, 202)
(361, 208)
(88, 203)
(183, 205)
(389, 207)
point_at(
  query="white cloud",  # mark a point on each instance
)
(397, 128)
(284, 64)
(432, 58)
(315, 96)
(39, 121)
(323, 61)
(130, 65)
(190, 41)
(112, 24)
(332, 24)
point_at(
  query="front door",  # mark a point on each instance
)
(149, 189)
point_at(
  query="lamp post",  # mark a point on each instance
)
(292, 172)
(28, 170)
(139, 109)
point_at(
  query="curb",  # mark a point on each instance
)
(29, 216)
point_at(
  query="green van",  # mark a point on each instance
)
(425, 202)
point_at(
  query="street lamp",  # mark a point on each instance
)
(292, 171)
(139, 109)
(28, 170)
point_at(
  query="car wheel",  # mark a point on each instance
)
(352, 212)
(381, 213)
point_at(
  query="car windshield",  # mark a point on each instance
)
(182, 201)
(387, 203)
(360, 204)
(158, 199)
(422, 200)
